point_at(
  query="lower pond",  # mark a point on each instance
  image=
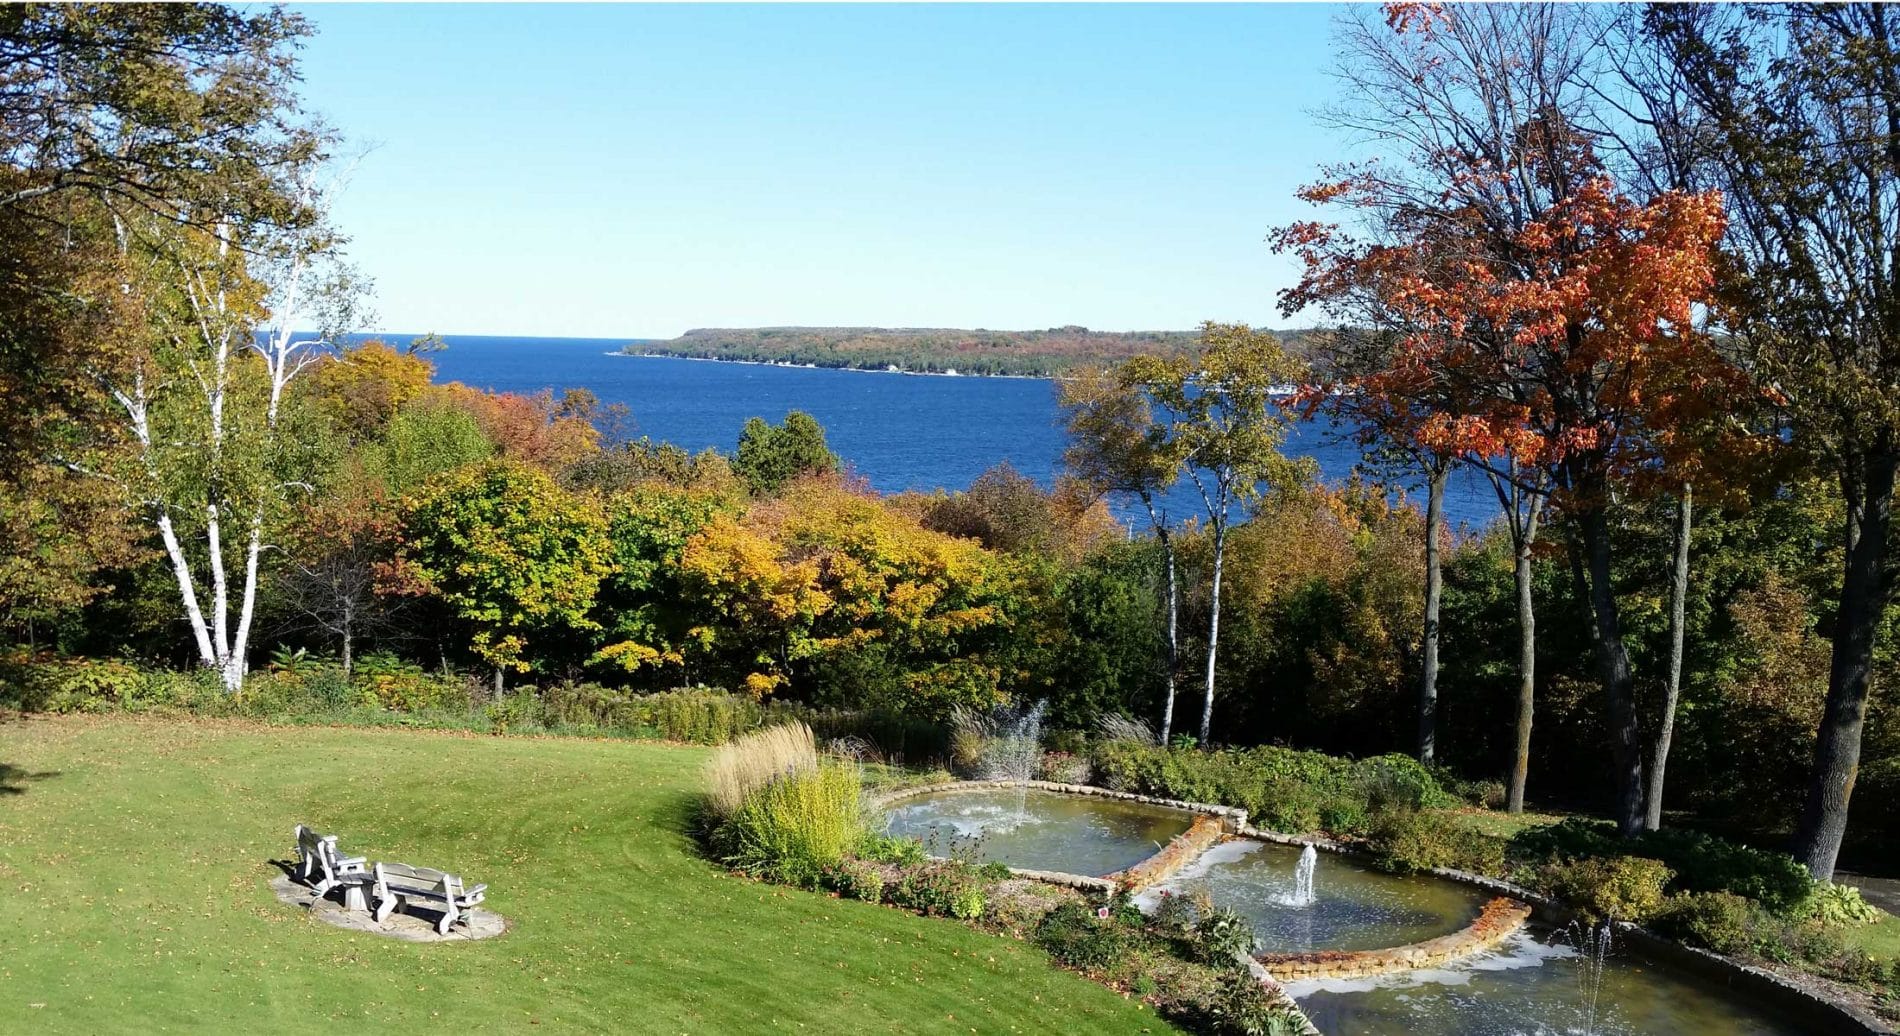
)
(1039, 830)
(1534, 985)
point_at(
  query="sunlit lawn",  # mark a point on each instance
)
(134, 861)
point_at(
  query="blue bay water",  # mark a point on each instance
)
(898, 431)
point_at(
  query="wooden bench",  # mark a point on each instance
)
(318, 858)
(438, 889)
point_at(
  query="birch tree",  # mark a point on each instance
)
(216, 451)
(1225, 413)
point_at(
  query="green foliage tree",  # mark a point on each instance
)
(509, 552)
(1225, 416)
(425, 437)
(1116, 446)
(644, 607)
(1805, 104)
(771, 455)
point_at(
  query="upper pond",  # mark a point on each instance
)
(1352, 907)
(1039, 830)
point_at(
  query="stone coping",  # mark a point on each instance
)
(1499, 920)
(400, 925)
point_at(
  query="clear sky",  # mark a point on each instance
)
(625, 171)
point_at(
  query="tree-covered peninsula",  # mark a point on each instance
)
(932, 350)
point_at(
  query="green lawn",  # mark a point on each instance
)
(134, 860)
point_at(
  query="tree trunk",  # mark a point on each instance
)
(1678, 595)
(349, 655)
(1613, 670)
(497, 683)
(1864, 592)
(1434, 586)
(1526, 674)
(1174, 640)
(1213, 635)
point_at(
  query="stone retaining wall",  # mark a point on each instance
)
(1499, 920)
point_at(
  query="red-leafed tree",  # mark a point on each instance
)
(1529, 316)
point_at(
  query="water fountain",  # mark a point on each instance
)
(1303, 894)
(1592, 942)
(1013, 751)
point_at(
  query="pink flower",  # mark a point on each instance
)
(1102, 913)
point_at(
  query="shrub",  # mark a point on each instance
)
(45, 683)
(1064, 768)
(883, 848)
(1241, 1006)
(1720, 921)
(754, 761)
(857, 880)
(1622, 888)
(1074, 935)
(1407, 841)
(405, 687)
(1701, 862)
(1221, 934)
(1283, 789)
(940, 888)
(1839, 905)
(1178, 913)
(797, 826)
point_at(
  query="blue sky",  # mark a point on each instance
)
(621, 171)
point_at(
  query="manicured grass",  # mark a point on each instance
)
(134, 861)
(1880, 939)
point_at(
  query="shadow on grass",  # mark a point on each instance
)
(14, 779)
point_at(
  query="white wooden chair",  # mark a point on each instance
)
(318, 858)
(399, 882)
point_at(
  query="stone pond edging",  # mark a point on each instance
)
(1499, 920)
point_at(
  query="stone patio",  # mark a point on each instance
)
(482, 924)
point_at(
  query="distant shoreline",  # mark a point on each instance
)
(887, 369)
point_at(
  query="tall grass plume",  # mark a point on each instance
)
(755, 760)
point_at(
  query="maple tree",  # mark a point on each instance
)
(1539, 320)
(509, 552)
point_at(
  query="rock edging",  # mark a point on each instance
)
(1499, 920)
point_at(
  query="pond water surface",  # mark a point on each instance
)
(1534, 985)
(1039, 830)
(1354, 907)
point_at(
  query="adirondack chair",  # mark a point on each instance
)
(318, 858)
(400, 882)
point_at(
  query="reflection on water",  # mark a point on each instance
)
(1533, 985)
(1352, 907)
(1041, 830)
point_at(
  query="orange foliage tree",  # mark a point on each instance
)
(1533, 317)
